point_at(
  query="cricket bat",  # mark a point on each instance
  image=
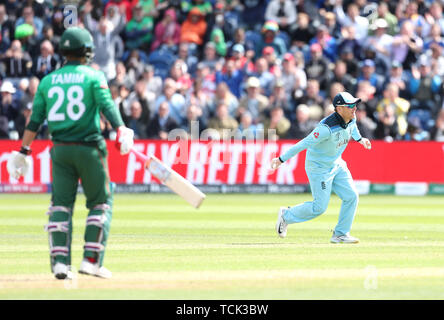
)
(171, 179)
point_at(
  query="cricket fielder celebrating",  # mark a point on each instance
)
(71, 99)
(326, 170)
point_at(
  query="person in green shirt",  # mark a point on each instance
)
(71, 99)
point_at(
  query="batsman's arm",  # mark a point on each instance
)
(38, 115)
(102, 96)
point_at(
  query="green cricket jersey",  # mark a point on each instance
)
(71, 99)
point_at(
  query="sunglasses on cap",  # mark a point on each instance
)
(351, 106)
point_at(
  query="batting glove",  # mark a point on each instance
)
(124, 140)
(18, 164)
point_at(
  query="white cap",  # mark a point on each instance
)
(7, 87)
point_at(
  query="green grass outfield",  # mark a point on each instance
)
(161, 248)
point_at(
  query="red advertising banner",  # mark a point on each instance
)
(248, 162)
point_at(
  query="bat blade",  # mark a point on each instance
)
(172, 179)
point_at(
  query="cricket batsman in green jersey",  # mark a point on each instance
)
(71, 100)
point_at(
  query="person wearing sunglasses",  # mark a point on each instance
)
(326, 170)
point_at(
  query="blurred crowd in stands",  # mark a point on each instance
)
(250, 65)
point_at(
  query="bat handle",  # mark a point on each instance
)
(142, 157)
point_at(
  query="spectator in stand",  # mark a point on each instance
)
(223, 95)
(7, 28)
(406, 45)
(392, 22)
(280, 98)
(239, 38)
(248, 129)
(175, 100)
(266, 78)
(434, 16)
(312, 99)
(333, 28)
(137, 121)
(16, 63)
(352, 18)
(140, 94)
(381, 42)
(318, 66)
(253, 13)
(368, 74)
(284, 13)
(335, 88)
(270, 39)
(203, 6)
(253, 102)
(415, 132)
(400, 105)
(367, 93)
(277, 125)
(340, 75)
(198, 97)
(437, 131)
(327, 43)
(348, 41)
(222, 122)
(436, 58)
(9, 106)
(240, 59)
(210, 57)
(106, 41)
(58, 22)
(29, 18)
(48, 34)
(194, 120)
(365, 125)
(272, 61)
(435, 37)
(122, 77)
(291, 75)
(217, 37)
(400, 78)
(138, 30)
(179, 73)
(29, 94)
(424, 88)
(126, 5)
(162, 123)
(190, 60)
(194, 27)
(303, 33)
(167, 32)
(46, 62)
(386, 125)
(224, 20)
(420, 26)
(232, 76)
(153, 86)
(207, 78)
(135, 63)
(303, 125)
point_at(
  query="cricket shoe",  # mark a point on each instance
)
(93, 269)
(62, 271)
(281, 225)
(346, 238)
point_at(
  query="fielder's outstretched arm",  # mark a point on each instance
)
(318, 135)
